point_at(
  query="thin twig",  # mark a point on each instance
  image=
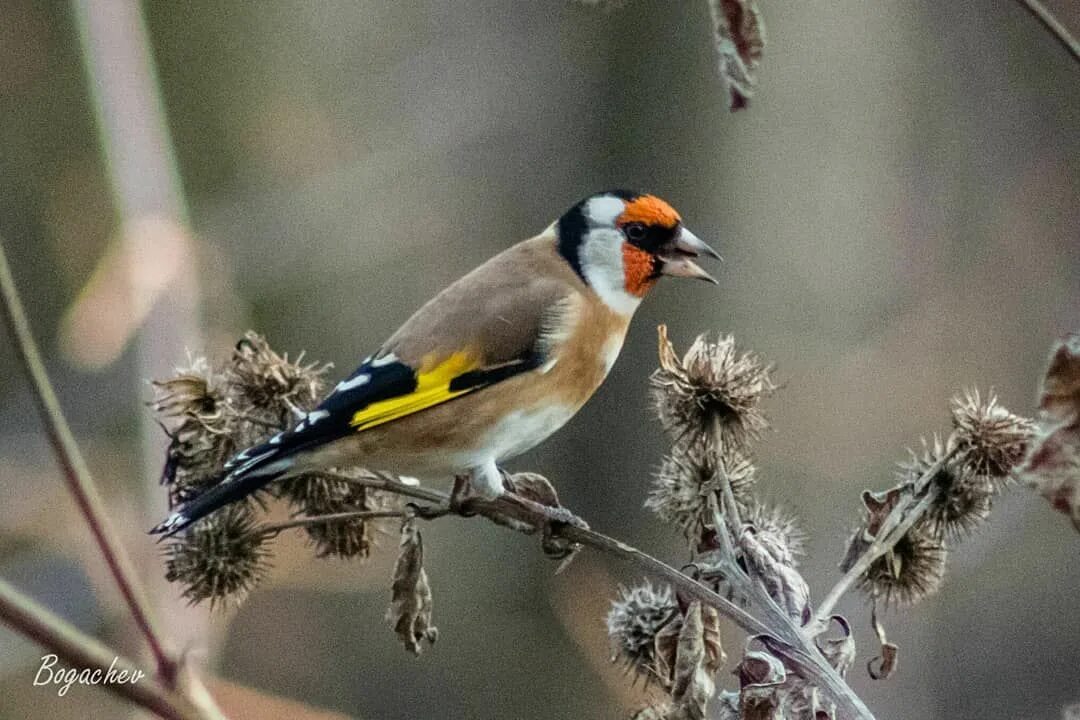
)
(77, 474)
(896, 524)
(79, 650)
(1054, 25)
(275, 528)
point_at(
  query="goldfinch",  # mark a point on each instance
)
(492, 365)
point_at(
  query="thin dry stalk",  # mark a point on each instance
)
(77, 475)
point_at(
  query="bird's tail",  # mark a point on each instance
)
(245, 474)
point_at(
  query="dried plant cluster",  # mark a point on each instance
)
(745, 552)
(210, 413)
(709, 402)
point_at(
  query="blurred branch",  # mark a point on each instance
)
(1055, 27)
(79, 650)
(77, 474)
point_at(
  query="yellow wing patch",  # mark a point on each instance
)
(432, 388)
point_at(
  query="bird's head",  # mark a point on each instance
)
(622, 242)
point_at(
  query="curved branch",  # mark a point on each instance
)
(77, 475)
(79, 650)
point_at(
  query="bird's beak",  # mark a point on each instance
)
(676, 258)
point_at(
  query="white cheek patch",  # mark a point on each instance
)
(602, 265)
(603, 211)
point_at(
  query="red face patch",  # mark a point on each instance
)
(638, 269)
(649, 210)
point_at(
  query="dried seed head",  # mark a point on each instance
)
(271, 383)
(712, 394)
(220, 558)
(411, 601)
(654, 712)
(635, 621)
(777, 530)
(321, 494)
(964, 497)
(912, 571)
(686, 478)
(193, 406)
(991, 440)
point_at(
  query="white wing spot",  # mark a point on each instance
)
(276, 440)
(384, 360)
(317, 415)
(353, 383)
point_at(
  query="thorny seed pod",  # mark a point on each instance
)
(686, 478)
(712, 394)
(193, 406)
(410, 603)
(991, 440)
(271, 383)
(322, 494)
(777, 530)
(220, 558)
(964, 498)
(636, 619)
(913, 570)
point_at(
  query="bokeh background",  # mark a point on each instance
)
(897, 210)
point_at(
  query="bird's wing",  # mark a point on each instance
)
(494, 323)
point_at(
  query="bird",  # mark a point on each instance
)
(488, 368)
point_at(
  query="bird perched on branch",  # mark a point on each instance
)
(491, 366)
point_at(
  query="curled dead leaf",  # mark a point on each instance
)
(761, 680)
(411, 601)
(840, 650)
(693, 684)
(883, 666)
(739, 33)
(782, 581)
(1052, 465)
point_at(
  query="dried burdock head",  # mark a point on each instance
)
(740, 40)
(689, 476)
(990, 439)
(220, 558)
(711, 395)
(963, 497)
(762, 679)
(777, 530)
(271, 383)
(781, 580)
(324, 494)
(410, 603)
(1053, 462)
(637, 618)
(913, 570)
(193, 407)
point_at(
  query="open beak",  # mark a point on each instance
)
(677, 259)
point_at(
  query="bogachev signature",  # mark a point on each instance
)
(63, 678)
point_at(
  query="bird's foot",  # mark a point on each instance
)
(462, 501)
(550, 514)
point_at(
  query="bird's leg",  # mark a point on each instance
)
(550, 513)
(459, 496)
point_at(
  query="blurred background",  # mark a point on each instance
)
(898, 211)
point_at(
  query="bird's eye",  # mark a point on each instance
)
(635, 232)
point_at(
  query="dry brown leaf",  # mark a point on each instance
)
(410, 604)
(761, 678)
(693, 684)
(839, 651)
(1053, 462)
(739, 32)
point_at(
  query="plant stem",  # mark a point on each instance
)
(78, 650)
(77, 475)
(899, 520)
(1051, 23)
(275, 528)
